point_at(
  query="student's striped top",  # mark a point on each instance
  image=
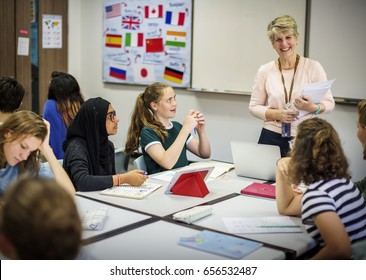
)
(340, 196)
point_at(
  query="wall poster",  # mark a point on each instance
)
(147, 41)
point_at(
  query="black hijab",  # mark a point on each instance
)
(90, 125)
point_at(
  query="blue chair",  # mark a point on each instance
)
(139, 163)
(122, 160)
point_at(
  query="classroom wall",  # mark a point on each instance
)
(226, 115)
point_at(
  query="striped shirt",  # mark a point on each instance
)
(340, 196)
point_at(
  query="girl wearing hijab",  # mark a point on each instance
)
(89, 154)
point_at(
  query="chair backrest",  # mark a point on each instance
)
(139, 163)
(121, 160)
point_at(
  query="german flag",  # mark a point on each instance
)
(173, 75)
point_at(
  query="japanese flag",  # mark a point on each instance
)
(144, 74)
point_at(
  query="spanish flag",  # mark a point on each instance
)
(113, 41)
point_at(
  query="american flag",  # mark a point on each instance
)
(113, 11)
(131, 22)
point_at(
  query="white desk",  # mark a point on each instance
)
(161, 204)
(159, 241)
(247, 206)
(117, 217)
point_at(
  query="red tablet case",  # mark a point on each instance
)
(191, 184)
(259, 189)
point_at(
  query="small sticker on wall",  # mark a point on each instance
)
(23, 46)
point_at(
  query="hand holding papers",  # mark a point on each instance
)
(316, 92)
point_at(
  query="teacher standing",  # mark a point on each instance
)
(278, 84)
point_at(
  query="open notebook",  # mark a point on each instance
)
(131, 191)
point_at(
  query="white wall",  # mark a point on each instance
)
(227, 115)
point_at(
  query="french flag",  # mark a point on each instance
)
(175, 18)
(154, 11)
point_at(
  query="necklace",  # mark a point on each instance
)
(288, 98)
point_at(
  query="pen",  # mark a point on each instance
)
(144, 173)
(287, 226)
(195, 130)
(191, 239)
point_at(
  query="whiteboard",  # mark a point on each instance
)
(230, 41)
(337, 39)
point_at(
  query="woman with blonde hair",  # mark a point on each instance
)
(276, 96)
(24, 138)
(164, 142)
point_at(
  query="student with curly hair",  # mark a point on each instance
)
(332, 208)
(39, 221)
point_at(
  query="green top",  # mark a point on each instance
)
(149, 137)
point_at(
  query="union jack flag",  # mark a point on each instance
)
(131, 22)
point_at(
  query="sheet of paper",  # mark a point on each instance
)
(316, 92)
(261, 225)
(220, 167)
(166, 176)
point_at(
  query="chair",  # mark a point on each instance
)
(121, 160)
(139, 163)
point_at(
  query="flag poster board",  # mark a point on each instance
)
(147, 41)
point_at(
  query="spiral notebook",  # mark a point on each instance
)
(129, 191)
(220, 244)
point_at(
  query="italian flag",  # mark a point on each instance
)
(134, 39)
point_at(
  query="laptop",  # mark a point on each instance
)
(255, 160)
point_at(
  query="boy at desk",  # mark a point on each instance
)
(39, 220)
(332, 208)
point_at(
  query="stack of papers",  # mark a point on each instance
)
(220, 167)
(131, 191)
(316, 92)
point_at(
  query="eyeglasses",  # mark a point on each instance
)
(112, 116)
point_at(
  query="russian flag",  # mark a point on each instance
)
(117, 71)
(175, 18)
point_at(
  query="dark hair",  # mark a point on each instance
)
(361, 108)
(66, 91)
(41, 220)
(11, 95)
(317, 154)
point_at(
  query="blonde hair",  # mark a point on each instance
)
(41, 220)
(142, 116)
(282, 25)
(23, 124)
